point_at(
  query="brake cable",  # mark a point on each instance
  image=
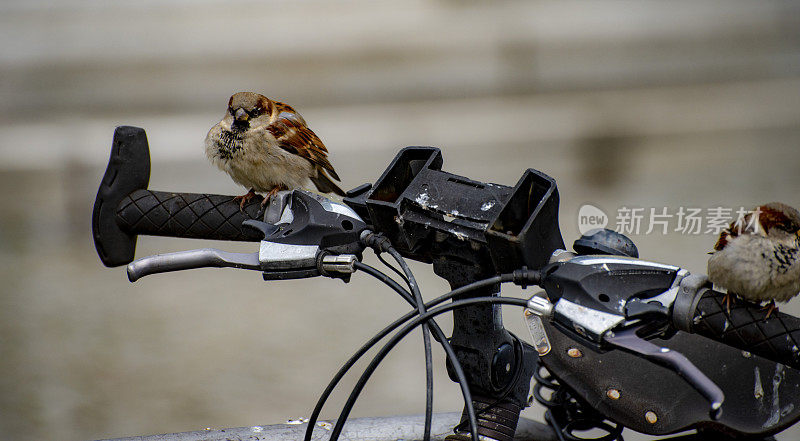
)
(458, 370)
(395, 270)
(421, 318)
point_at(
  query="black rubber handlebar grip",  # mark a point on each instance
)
(746, 326)
(125, 208)
(188, 215)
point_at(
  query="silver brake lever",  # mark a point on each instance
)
(183, 260)
(275, 260)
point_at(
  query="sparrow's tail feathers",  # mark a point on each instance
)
(325, 184)
(329, 169)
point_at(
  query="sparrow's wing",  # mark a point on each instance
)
(722, 241)
(743, 225)
(283, 110)
(294, 136)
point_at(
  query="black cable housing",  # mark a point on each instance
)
(391, 267)
(437, 332)
(426, 338)
(337, 429)
(394, 325)
(383, 277)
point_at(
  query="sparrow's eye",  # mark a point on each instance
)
(789, 227)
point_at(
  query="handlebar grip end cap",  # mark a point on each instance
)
(128, 170)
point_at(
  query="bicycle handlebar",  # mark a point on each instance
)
(427, 214)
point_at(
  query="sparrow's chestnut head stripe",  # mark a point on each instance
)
(780, 216)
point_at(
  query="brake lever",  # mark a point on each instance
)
(592, 305)
(628, 341)
(275, 260)
(183, 260)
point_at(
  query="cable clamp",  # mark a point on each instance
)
(376, 241)
(525, 277)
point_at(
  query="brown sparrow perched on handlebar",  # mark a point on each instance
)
(266, 146)
(758, 256)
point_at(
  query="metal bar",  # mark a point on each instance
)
(358, 429)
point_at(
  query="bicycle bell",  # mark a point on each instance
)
(605, 241)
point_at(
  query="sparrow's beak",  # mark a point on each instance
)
(241, 115)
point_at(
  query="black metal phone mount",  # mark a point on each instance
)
(429, 214)
(471, 230)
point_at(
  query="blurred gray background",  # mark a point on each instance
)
(636, 104)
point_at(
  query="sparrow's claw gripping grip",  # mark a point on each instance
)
(746, 327)
(124, 208)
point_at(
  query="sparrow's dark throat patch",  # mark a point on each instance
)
(240, 125)
(230, 142)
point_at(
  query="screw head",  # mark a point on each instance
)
(651, 417)
(574, 352)
(613, 394)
